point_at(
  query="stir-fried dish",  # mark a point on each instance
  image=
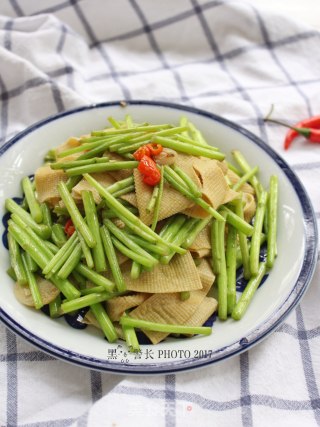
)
(142, 227)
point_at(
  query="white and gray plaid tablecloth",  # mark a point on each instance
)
(223, 56)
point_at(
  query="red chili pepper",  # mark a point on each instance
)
(312, 135)
(142, 151)
(148, 168)
(149, 150)
(69, 228)
(309, 128)
(312, 122)
(155, 149)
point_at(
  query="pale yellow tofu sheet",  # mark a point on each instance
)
(201, 246)
(207, 174)
(181, 274)
(172, 201)
(118, 305)
(167, 308)
(104, 178)
(46, 181)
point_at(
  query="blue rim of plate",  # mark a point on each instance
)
(255, 336)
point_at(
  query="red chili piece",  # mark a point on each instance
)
(154, 149)
(142, 151)
(149, 150)
(309, 128)
(312, 122)
(148, 168)
(312, 135)
(69, 228)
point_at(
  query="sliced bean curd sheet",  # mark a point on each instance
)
(179, 275)
(214, 187)
(250, 206)
(205, 273)
(170, 309)
(90, 319)
(46, 181)
(201, 246)
(205, 309)
(205, 173)
(103, 178)
(71, 142)
(186, 163)
(174, 293)
(118, 305)
(131, 198)
(120, 174)
(234, 178)
(172, 201)
(47, 291)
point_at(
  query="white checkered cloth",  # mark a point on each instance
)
(222, 56)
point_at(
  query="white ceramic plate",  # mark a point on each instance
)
(284, 287)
